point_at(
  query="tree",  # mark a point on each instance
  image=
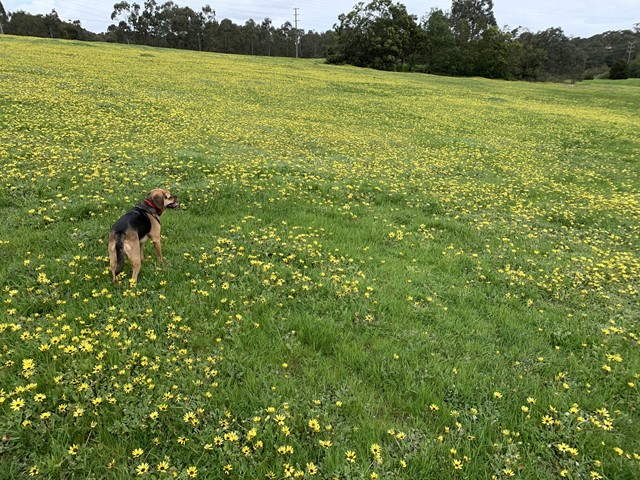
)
(227, 35)
(439, 45)
(562, 59)
(250, 34)
(52, 23)
(265, 36)
(3, 18)
(496, 54)
(634, 68)
(470, 18)
(283, 39)
(531, 58)
(619, 70)
(483, 49)
(380, 35)
(126, 24)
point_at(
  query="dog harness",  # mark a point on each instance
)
(150, 208)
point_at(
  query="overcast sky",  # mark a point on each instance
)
(578, 18)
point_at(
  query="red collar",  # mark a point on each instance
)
(152, 205)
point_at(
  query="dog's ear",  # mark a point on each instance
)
(157, 197)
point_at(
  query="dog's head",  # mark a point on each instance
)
(162, 199)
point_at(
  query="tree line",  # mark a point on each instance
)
(463, 41)
(466, 41)
(170, 25)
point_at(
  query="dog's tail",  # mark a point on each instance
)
(116, 253)
(119, 252)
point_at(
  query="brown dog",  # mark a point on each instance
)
(129, 233)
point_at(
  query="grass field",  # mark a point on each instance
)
(372, 275)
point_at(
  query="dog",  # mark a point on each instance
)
(128, 234)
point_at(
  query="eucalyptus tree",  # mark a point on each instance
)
(379, 34)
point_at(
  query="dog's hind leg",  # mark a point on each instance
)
(156, 244)
(133, 249)
(135, 265)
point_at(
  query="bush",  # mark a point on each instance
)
(596, 72)
(634, 69)
(619, 70)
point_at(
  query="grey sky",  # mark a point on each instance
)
(578, 18)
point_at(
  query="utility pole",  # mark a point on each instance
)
(631, 46)
(295, 21)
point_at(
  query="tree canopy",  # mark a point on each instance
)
(170, 25)
(467, 41)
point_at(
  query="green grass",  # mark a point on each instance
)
(445, 269)
(630, 82)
